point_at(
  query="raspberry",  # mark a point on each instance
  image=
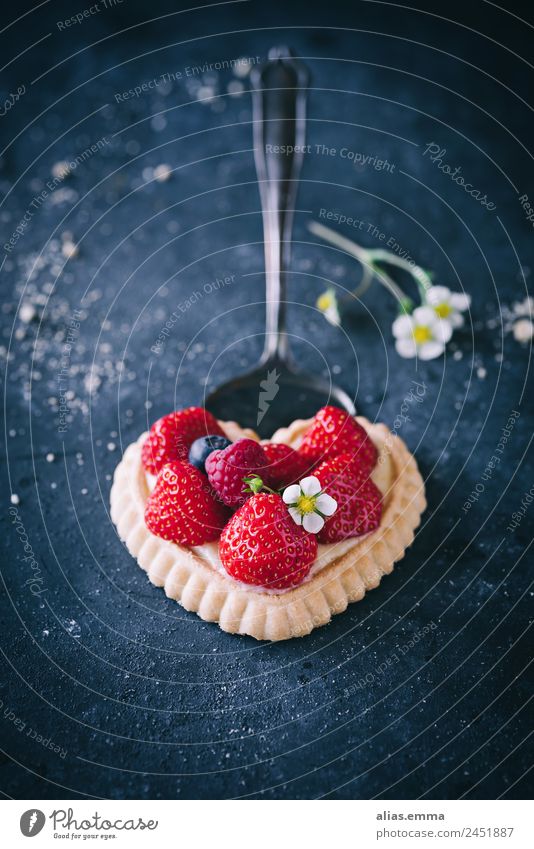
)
(227, 468)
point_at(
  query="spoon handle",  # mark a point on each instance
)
(279, 120)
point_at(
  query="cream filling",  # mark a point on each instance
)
(382, 476)
(325, 554)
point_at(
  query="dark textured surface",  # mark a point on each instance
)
(141, 698)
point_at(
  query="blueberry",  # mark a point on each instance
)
(202, 448)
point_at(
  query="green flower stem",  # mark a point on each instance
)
(365, 282)
(341, 241)
(420, 276)
(387, 281)
(368, 257)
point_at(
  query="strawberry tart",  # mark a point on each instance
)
(273, 538)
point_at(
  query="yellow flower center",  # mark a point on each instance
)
(325, 301)
(443, 310)
(421, 334)
(306, 504)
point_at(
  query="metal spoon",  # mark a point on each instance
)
(275, 392)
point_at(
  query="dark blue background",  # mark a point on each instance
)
(147, 700)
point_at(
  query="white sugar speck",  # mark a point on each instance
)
(72, 628)
(92, 382)
(50, 457)
(14, 498)
(158, 123)
(69, 249)
(61, 169)
(525, 307)
(235, 88)
(206, 93)
(162, 173)
(27, 312)
(242, 67)
(523, 330)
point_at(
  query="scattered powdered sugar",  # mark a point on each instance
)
(48, 343)
(72, 628)
(516, 319)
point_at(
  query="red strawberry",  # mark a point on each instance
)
(171, 436)
(286, 465)
(359, 503)
(182, 507)
(262, 545)
(334, 432)
(348, 465)
(227, 467)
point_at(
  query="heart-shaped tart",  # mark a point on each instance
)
(293, 553)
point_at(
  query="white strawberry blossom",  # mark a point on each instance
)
(327, 303)
(448, 305)
(420, 331)
(422, 334)
(308, 505)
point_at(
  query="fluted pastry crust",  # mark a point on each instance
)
(193, 581)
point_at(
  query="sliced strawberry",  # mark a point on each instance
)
(359, 502)
(285, 465)
(262, 545)
(171, 436)
(182, 507)
(334, 431)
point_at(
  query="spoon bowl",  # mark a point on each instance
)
(276, 392)
(272, 395)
